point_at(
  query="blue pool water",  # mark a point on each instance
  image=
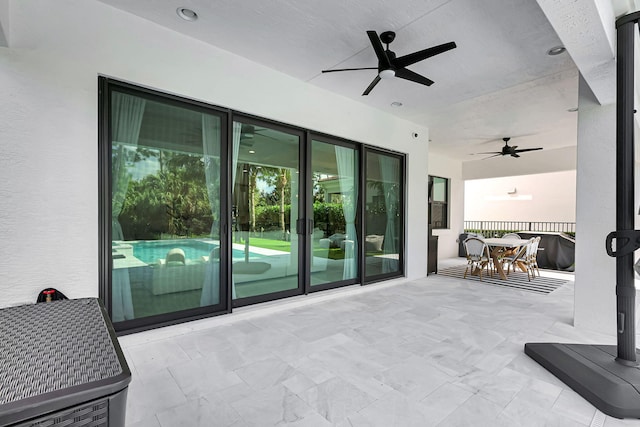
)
(151, 251)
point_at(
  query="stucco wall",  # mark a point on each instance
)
(49, 127)
(446, 167)
(595, 296)
(539, 197)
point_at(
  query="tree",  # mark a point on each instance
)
(319, 193)
(174, 200)
(253, 177)
(284, 176)
(281, 196)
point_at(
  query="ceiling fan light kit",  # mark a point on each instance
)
(387, 74)
(390, 66)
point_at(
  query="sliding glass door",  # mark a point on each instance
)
(384, 214)
(165, 206)
(265, 211)
(203, 209)
(334, 239)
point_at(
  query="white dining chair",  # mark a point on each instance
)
(511, 236)
(512, 251)
(516, 257)
(526, 257)
(478, 257)
(533, 257)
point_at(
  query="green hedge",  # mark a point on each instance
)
(328, 215)
(268, 217)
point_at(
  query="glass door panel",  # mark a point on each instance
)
(266, 176)
(383, 213)
(165, 168)
(334, 245)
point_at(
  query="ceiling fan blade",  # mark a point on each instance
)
(372, 85)
(403, 73)
(262, 135)
(414, 57)
(490, 152)
(528, 149)
(350, 69)
(383, 59)
(514, 155)
(495, 155)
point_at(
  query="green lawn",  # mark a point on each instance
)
(280, 245)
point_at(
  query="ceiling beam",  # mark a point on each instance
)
(587, 30)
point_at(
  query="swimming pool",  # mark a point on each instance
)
(151, 251)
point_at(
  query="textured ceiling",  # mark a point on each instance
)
(498, 82)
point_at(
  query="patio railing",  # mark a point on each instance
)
(490, 228)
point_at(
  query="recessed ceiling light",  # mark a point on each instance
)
(556, 50)
(396, 104)
(573, 110)
(252, 151)
(186, 14)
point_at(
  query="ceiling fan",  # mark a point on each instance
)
(248, 133)
(389, 66)
(509, 150)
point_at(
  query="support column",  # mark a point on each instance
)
(595, 298)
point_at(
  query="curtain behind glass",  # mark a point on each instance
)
(346, 161)
(211, 149)
(237, 133)
(126, 119)
(390, 169)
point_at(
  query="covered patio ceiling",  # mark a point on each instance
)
(499, 82)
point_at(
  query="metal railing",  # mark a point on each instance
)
(514, 226)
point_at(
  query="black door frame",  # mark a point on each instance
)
(292, 130)
(329, 139)
(107, 85)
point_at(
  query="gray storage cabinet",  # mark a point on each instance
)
(61, 365)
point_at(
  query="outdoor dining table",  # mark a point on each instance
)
(497, 246)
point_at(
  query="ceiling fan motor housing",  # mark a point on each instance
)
(387, 37)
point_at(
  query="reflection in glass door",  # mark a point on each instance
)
(334, 245)
(165, 209)
(383, 210)
(265, 210)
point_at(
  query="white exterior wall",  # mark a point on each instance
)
(446, 167)
(595, 296)
(540, 197)
(49, 130)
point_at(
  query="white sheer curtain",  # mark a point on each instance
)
(126, 119)
(293, 219)
(211, 289)
(390, 168)
(237, 133)
(346, 161)
(211, 149)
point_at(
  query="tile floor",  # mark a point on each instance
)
(436, 351)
